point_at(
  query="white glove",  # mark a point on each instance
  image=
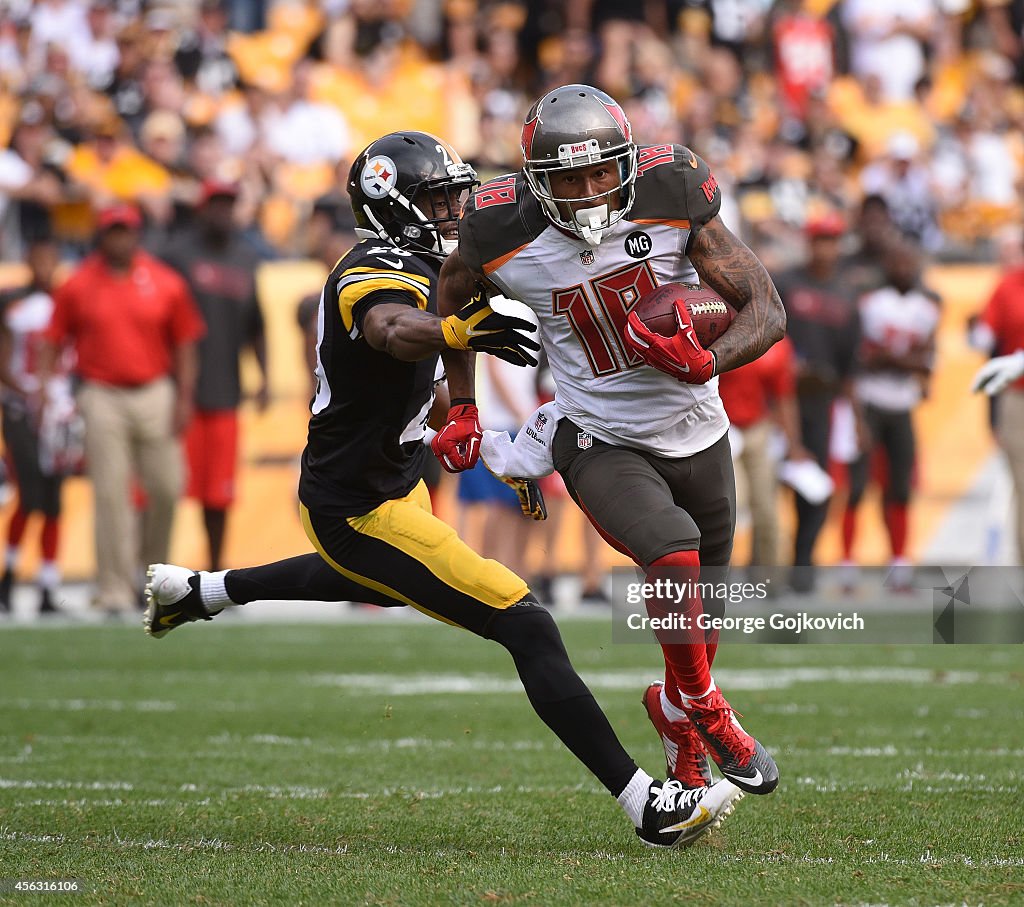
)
(998, 373)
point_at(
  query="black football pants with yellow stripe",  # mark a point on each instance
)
(400, 554)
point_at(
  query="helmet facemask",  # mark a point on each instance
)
(588, 223)
(419, 217)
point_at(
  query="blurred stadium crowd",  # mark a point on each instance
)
(798, 105)
(823, 121)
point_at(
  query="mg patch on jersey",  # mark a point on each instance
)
(587, 257)
(638, 244)
(378, 176)
(584, 440)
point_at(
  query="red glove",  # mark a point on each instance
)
(680, 355)
(457, 445)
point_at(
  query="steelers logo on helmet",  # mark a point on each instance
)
(379, 176)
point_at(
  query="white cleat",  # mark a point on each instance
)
(676, 816)
(171, 599)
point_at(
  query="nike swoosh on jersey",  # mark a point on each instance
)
(702, 818)
(693, 160)
(396, 264)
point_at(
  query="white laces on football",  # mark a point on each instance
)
(665, 800)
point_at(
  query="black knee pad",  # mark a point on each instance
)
(526, 627)
(529, 634)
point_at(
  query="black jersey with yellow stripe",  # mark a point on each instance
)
(369, 413)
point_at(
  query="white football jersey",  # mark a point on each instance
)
(26, 318)
(581, 296)
(899, 323)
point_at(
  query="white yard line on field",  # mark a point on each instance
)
(461, 742)
(34, 784)
(161, 802)
(89, 705)
(6, 834)
(958, 755)
(124, 705)
(270, 791)
(926, 859)
(628, 679)
(918, 784)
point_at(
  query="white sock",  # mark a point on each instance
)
(212, 591)
(634, 798)
(11, 558)
(672, 712)
(707, 692)
(49, 575)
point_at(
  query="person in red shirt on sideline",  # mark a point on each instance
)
(133, 325)
(759, 398)
(1001, 332)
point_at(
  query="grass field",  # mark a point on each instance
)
(397, 762)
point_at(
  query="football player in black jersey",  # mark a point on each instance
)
(363, 505)
(589, 225)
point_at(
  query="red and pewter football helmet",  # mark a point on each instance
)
(577, 126)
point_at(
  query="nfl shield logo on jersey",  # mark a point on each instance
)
(587, 257)
(584, 440)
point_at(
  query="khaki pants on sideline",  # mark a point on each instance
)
(128, 434)
(1010, 431)
(758, 469)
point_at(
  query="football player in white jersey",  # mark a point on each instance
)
(590, 224)
(899, 321)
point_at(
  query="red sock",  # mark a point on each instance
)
(50, 538)
(16, 528)
(687, 663)
(711, 647)
(896, 523)
(849, 531)
(671, 687)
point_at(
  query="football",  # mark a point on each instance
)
(711, 315)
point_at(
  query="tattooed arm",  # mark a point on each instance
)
(726, 265)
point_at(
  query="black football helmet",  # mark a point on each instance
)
(576, 126)
(396, 184)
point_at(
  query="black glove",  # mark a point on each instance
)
(477, 327)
